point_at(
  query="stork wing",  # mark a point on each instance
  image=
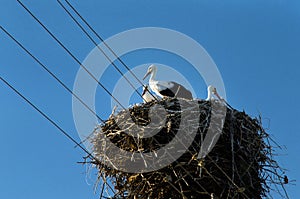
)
(164, 85)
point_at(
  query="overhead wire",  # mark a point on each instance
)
(65, 133)
(98, 47)
(49, 72)
(102, 40)
(55, 77)
(69, 52)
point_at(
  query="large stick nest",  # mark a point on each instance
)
(239, 166)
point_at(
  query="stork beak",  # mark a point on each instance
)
(218, 96)
(146, 75)
(221, 99)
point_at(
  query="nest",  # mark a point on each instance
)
(240, 165)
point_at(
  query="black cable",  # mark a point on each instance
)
(102, 51)
(49, 119)
(51, 73)
(102, 40)
(69, 52)
(55, 77)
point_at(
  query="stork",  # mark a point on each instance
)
(211, 90)
(147, 96)
(165, 88)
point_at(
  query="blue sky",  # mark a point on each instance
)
(255, 45)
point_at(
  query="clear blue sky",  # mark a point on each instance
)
(255, 44)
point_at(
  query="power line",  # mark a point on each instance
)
(98, 47)
(49, 119)
(51, 73)
(69, 52)
(102, 40)
(55, 77)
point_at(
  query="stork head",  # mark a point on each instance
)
(212, 90)
(152, 69)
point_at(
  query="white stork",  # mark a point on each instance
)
(147, 96)
(211, 90)
(164, 88)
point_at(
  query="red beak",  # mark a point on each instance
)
(218, 96)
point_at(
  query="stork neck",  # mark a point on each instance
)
(209, 95)
(153, 75)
